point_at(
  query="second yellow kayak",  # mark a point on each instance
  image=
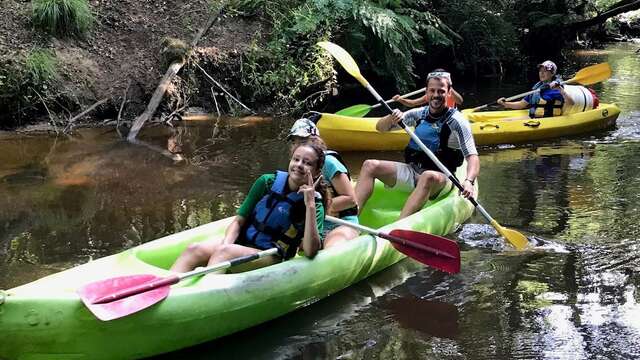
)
(345, 133)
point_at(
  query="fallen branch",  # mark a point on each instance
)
(124, 101)
(223, 89)
(53, 121)
(166, 80)
(165, 152)
(616, 9)
(88, 110)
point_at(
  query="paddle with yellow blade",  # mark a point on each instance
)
(518, 240)
(586, 76)
(361, 110)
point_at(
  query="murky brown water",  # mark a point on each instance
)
(64, 201)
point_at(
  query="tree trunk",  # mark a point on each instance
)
(616, 9)
(166, 80)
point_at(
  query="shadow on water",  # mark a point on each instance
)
(575, 294)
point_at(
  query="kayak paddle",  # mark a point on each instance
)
(435, 251)
(586, 76)
(518, 240)
(361, 110)
(124, 295)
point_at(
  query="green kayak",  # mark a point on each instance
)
(45, 319)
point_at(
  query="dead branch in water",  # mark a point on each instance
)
(175, 157)
(124, 101)
(166, 80)
(85, 112)
(223, 89)
(53, 121)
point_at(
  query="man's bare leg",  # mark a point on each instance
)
(429, 182)
(383, 170)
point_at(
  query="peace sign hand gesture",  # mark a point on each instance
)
(309, 190)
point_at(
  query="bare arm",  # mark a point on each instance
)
(311, 238)
(516, 105)
(388, 122)
(233, 230)
(410, 102)
(347, 196)
(473, 169)
(456, 97)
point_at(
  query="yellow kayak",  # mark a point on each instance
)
(345, 133)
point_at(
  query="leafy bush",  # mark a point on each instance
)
(63, 17)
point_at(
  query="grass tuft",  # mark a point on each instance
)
(40, 66)
(63, 17)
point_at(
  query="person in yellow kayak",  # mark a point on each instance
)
(335, 172)
(282, 210)
(445, 131)
(452, 100)
(547, 102)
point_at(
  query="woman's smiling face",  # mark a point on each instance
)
(304, 160)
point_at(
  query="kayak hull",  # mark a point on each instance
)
(46, 319)
(345, 133)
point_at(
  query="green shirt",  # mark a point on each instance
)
(260, 188)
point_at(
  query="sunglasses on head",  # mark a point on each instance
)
(439, 74)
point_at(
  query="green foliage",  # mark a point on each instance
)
(40, 67)
(22, 79)
(382, 36)
(488, 35)
(63, 17)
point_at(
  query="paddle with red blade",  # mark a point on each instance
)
(432, 250)
(124, 295)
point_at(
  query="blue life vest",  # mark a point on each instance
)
(546, 102)
(277, 219)
(434, 133)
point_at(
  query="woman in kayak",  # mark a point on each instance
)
(343, 196)
(282, 210)
(452, 100)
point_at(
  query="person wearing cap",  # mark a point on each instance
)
(452, 100)
(547, 102)
(343, 199)
(445, 131)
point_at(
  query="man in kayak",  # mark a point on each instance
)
(453, 98)
(335, 172)
(444, 131)
(549, 100)
(282, 210)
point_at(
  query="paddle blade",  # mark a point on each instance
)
(516, 239)
(359, 110)
(435, 251)
(592, 74)
(343, 57)
(123, 307)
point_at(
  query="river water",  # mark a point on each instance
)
(64, 201)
